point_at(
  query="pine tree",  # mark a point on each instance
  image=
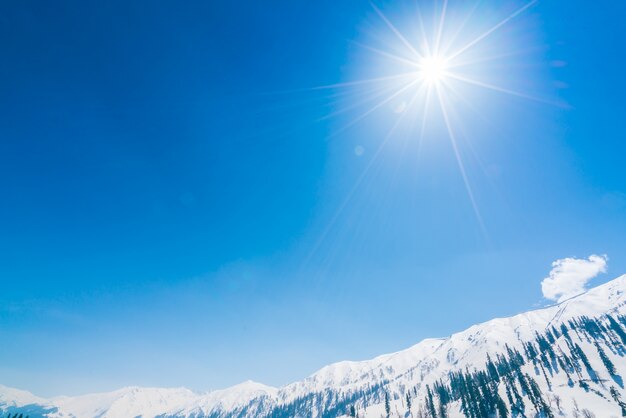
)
(387, 405)
(610, 367)
(583, 357)
(430, 403)
(491, 369)
(615, 326)
(616, 396)
(576, 410)
(503, 412)
(557, 401)
(588, 414)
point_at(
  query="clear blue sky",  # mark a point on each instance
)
(174, 205)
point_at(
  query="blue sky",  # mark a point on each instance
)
(178, 211)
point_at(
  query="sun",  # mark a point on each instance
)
(427, 68)
(433, 69)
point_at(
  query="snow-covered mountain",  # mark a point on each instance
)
(565, 359)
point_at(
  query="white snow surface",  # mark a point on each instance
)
(422, 363)
(18, 398)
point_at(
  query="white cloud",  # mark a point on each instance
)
(569, 276)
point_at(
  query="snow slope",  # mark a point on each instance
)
(421, 364)
(17, 398)
(122, 403)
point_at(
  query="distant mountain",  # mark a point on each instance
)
(564, 360)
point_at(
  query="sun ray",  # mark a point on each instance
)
(459, 161)
(485, 58)
(492, 30)
(404, 41)
(441, 68)
(442, 18)
(386, 54)
(427, 100)
(460, 27)
(365, 81)
(502, 89)
(357, 104)
(423, 32)
(450, 88)
(353, 190)
(376, 107)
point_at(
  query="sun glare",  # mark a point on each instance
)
(432, 69)
(428, 69)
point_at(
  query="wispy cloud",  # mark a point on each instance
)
(569, 276)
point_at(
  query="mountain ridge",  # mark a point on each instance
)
(338, 383)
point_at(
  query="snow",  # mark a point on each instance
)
(423, 363)
(131, 401)
(225, 399)
(18, 398)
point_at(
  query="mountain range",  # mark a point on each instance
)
(563, 360)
